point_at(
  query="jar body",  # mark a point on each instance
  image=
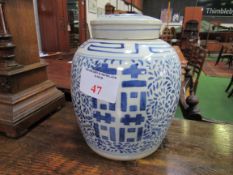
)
(148, 93)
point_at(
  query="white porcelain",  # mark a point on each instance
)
(147, 97)
(124, 27)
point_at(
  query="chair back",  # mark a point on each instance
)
(188, 102)
(196, 62)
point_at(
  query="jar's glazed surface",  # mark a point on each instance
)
(148, 93)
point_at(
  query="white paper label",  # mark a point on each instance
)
(99, 85)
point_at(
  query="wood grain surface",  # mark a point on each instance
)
(56, 146)
(183, 60)
(21, 23)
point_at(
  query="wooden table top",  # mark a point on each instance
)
(56, 146)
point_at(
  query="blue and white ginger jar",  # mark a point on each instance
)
(148, 71)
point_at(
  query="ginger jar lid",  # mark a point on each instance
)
(126, 27)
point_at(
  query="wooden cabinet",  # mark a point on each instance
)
(26, 94)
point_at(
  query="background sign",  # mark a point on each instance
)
(216, 7)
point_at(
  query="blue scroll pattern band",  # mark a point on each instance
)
(122, 48)
(147, 99)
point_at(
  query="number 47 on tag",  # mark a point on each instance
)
(96, 89)
(99, 85)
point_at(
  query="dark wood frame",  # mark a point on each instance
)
(83, 28)
(53, 22)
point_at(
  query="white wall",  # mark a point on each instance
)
(101, 4)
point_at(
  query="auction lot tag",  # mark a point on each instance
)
(99, 85)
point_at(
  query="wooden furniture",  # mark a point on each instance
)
(192, 13)
(191, 71)
(119, 12)
(195, 56)
(53, 21)
(83, 27)
(181, 56)
(196, 62)
(166, 35)
(59, 71)
(26, 94)
(56, 146)
(191, 25)
(213, 46)
(221, 36)
(53, 24)
(214, 40)
(73, 26)
(188, 101)
(191, 30)
(7, 48)
(109, 8)
(182, 59)
(135, 3)
(226, 52)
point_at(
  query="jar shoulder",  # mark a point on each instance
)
(126, 49)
